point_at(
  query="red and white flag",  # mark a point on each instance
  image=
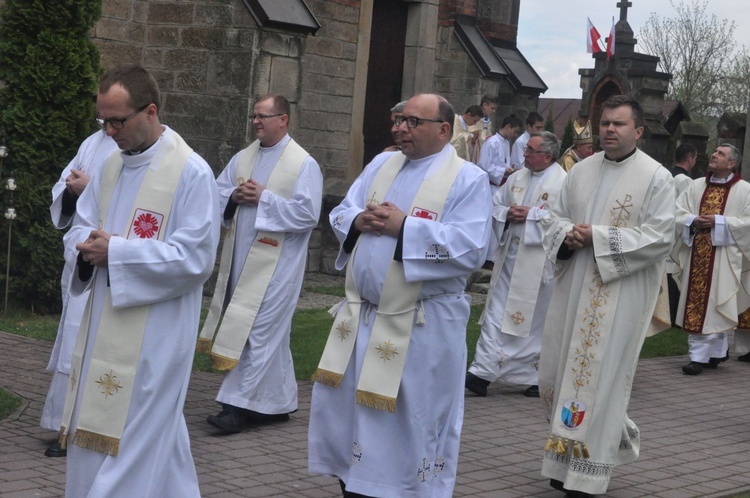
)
(592, 39)
(611, 41)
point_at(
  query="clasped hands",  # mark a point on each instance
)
(248, 193)
(704, 221)
(579, 237)
(385, 218)
(96, 248)
(518, 214)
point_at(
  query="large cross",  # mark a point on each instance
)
(624, 9)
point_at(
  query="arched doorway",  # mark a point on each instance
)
(606, 88)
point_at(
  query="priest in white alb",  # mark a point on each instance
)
(522, 280)
(89, 159)
(387, 405)
(608, 234)
(270, 196)
(147, 238)
(713, 247)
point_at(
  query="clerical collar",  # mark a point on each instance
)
(720, 181)
(280, 144)
(141, 151)
(622, 158)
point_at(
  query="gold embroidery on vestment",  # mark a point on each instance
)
(109, 384)
(518, 318)
(387, 351)
(343, 330)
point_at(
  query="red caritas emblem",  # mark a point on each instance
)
(145, 226)
(418, 212)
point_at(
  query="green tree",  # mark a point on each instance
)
(549, 124)
(49, 69)
(567, 138)
(701, 53)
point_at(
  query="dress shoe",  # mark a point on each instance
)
(255, 418)
(230, 420)
(55, 450)
(694, 368)
(745, 357)
(572, 493)
(476, 385)
(532, 392)
(488, 265)
(713, 363)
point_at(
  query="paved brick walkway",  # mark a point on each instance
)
(695, 438)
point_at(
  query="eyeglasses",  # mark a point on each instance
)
(413, 122)
(263, 117)
(118, 123)
(532, 150)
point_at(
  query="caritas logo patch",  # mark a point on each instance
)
(146, 225)
(418, 212)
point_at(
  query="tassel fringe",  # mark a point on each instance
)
(203, 345)
(96, 442)
(376, 401)
(563, 445)
(559, 448)
(550, 444)
(62, 438)
(223, 363)
(327, 377)
(585, 451)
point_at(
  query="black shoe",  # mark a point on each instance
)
(558, 485)
(55, 450)
(532, 392)
(745, 357)
(229, 420)
(713, 363)
(476, 385)
(488, 265)
(255, 418)
(694, 368)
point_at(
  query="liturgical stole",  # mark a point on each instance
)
(107, 390)
(385, 356)
(263, 257)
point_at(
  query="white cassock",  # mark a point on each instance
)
(91, 156)
(494, 158)
(263, 380)
(500, 355)
(517, 160)
(413, 452)
(727, 297)
(636, 255)
(154, 457)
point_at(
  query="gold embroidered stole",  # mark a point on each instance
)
(702, 256)
(596, 308)
(262, 259)
(107, 390)
(526, 279)
(385, 356)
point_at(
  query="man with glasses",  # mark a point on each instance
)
(608, 235)
(713, 230)
(89, 159)
(147, 234)
(520, 289)
(387, 404)
(270, 199)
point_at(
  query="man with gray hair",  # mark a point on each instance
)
(520, 289)
(713, 241)
(396, 110)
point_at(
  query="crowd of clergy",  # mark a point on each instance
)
(586, 251)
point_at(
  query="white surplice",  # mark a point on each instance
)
(635, 258)
(517, 160)
(728, 294)
(154, 457)
(413, 452)
(263, 380)
(502, 356)
(91, 156)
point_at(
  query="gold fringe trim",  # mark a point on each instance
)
(220, 362)
(327, 377)
(576, 450)
(560, 449)
(550, 443)
(375, 401)
(585, 451)
(203, 345)
(62, 438)
(96, 442)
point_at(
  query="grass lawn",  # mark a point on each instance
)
(8, 403)
(309, 333)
